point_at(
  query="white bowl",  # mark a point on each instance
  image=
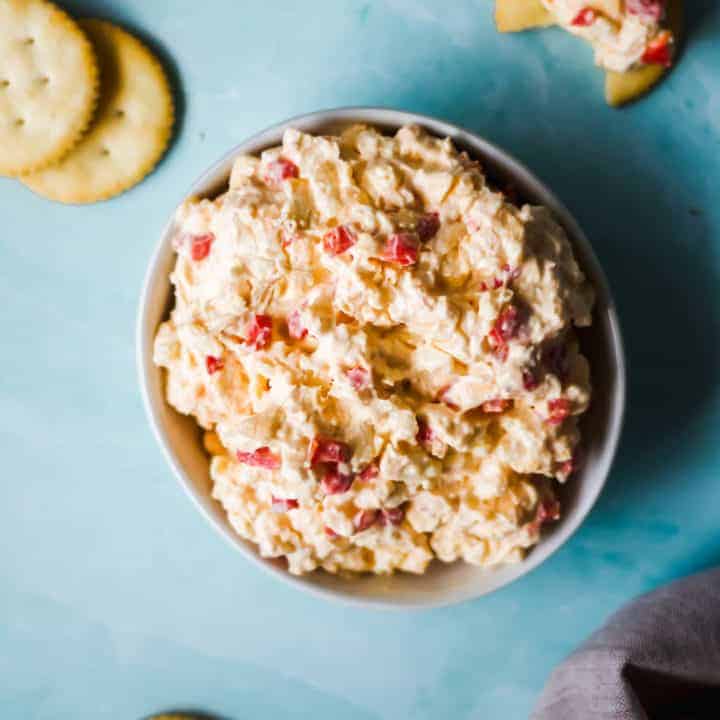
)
(442, 584)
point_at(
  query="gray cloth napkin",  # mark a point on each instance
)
(657, 658)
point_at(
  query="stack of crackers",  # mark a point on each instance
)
(86, 110)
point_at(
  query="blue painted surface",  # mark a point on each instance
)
(117, 600)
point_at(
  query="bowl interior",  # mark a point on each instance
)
(180, 438)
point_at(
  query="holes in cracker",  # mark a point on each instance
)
(43, 80)
(19, 122)
(29, 41)
(104, 151)
(119, 113)
(4, 83)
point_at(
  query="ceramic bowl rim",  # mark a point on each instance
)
(386, 117)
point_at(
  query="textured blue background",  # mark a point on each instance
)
(117, 600)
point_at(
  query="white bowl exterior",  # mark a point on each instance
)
(442, 584)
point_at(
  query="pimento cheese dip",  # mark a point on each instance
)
(624, 34)
(380, 348)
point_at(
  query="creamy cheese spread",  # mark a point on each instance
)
(380, 348)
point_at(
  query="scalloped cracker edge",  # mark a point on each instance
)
(48, 85)
(132, 128)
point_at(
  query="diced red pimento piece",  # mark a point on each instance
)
(496, 405)
(296, 329)
(530, 380)
(548, 510)
(369, 473)
(425, 435)
(507, 324)
(650, 9)
(334, 482)
(365, 519)
(327, 450)
(427, 226)
(281, 505)
(338, 240)
(200, 246)
(359, 377)
(505, 328)
(559, 409)
(263, 457)
(585, 17)
(331, 533)
(659, 51)
(401, 249)
(279, 170)
(393, 516)
(259, 331)
(213, 364)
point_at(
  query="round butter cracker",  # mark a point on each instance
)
(48, 85)
(131, 130)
